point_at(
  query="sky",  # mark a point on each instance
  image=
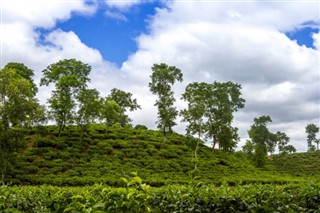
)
(270, 47)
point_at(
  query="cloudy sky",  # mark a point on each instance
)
(270, 47)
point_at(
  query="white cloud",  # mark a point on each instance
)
(122, 4)
(44, 14)
(245, 43)
(208, 41)
(316, 40)
(116, 15)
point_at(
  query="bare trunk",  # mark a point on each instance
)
(214, 142)
(164, 135)
(2, 178)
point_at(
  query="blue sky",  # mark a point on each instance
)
(303, 36)
(114, 38)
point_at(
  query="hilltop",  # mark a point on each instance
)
(100, 155)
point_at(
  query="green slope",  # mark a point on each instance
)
(97, 156)
(297, 164)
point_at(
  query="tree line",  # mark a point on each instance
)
(209, 114)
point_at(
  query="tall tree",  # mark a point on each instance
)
(162, 78)
(289, 149)
(312, 130)
(16, 104)
(194, 114)
(282, 141)
(272, 143)
(215, 104)
(69, 77)
(110, 112)
(89, 107)
(222, 100)
(248, 147)
(260, 134)
(24, 72)
(125, 102)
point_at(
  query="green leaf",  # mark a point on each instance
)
(125, 180)
(56, 206)
(77, 197)
(69, 209)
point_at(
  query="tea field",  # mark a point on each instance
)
(135, 196)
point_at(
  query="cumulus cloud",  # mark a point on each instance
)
(208, 41)
(123, 4)
(244, 43)
(44, 14)
(316, 40)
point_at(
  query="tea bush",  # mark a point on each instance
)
(135, 196)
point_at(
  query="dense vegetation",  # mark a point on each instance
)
(103, 155)
(136, 196)
(93, 142)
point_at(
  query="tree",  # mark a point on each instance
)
(69, 77)
(24, 72)
(125, 102)
(289, 149)
(312, 130)
(37, 115)
(222, 100)
(210, 109)
(195, 112)
(282, 141)
(162, 78)
(271, 143)
(16, 104)
(110, 112)
(260, 134)
(89, 107)
(248, 147)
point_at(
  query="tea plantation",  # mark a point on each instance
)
(91, 171)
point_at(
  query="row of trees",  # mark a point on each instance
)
(210, 106)
(209, 114)
(73, 102)
(263, 141)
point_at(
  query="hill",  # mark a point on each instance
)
(101, 155)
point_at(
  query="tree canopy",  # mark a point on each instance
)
(312, 130)
(17, 106)
(69, 77)
(162, 79)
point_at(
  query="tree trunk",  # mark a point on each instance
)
(164, 135)
(213, 143)
(2, 178)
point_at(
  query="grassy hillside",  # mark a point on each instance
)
(101, 156)
(297, 164)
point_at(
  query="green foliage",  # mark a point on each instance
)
(69, 77)
(89, 107)
(17, 106)
(312, 130)
(139, 197)
(100, 157)
(210, 111)
(162, 78)
(24, 72)
(260, 135)
(110, 112)
(125, 102)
